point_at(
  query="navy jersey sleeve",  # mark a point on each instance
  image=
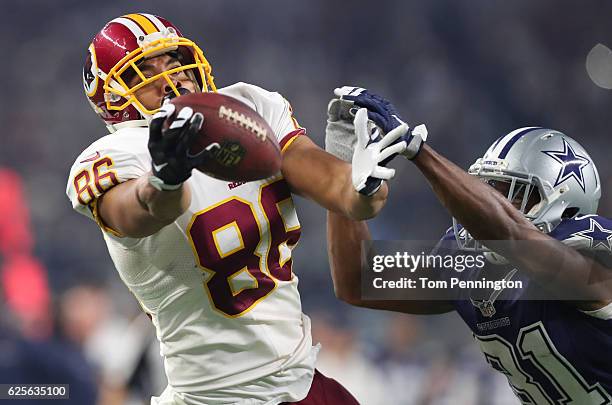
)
(588, 232)
(591, 235)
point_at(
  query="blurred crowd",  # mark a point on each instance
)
(471, 71)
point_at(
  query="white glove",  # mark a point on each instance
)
(368, 154)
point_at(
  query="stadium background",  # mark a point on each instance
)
(471, 70)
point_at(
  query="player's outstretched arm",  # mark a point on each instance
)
(345, 236)
(337, 185)
(141, 207)
(136, 209)
(488, 215)
(315, 174)
(344, 246)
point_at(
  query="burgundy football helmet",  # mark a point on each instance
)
(116, 52)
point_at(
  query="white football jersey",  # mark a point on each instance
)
(218, 282)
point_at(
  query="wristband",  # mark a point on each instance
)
(159, 184)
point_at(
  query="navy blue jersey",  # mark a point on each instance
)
(551, 352)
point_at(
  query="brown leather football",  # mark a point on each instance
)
(241, 144)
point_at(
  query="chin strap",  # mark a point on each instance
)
(112, 128)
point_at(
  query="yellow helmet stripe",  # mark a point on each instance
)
(160, 26)
(144, 22)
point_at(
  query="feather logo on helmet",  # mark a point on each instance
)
(90, 72)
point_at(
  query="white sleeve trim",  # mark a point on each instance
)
(604, 313)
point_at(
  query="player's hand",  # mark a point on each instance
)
(386, 117)
(381, 111)
(169, 147)
(372, 150)
(340, 137)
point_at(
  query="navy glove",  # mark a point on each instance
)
(386, 117)
(381, 111)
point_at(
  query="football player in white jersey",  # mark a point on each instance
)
(209, 261)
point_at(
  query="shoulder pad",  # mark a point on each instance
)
(273, 108)
(588, 232)
(107, 162)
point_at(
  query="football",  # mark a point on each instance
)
(241, 144)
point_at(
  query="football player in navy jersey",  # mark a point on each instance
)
(537, 190)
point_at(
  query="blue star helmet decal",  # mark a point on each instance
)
(597, 235)
(571, 164)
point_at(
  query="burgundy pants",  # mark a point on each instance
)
(326, 391)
